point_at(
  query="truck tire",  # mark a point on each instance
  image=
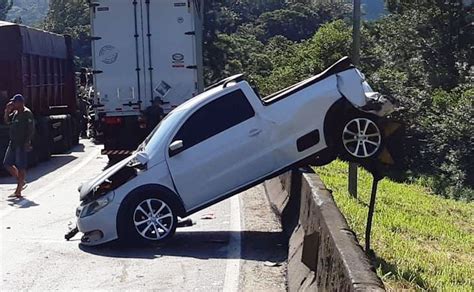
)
(44, 144)
(3, 149)
(75, 125)
(59, 126)
(68, 133)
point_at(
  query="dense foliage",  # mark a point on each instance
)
(28, 12)
(5, 5)
(72, 17)
(257, 37)
(421, 55)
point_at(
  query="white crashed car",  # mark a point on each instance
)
(225, 141)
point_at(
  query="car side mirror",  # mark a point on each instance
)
(142, 157)
(176, 147)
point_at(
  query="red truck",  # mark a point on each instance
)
(39, 65)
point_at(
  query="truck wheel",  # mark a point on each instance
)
(75, 131)
(63, 144)
(147, 219)
(359, 138)
(44, 139)
(68, 133)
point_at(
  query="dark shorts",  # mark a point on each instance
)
(16, 156)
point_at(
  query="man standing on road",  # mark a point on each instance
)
(22, 128)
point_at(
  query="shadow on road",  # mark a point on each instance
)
(24, 203)
(42, 169)
(78, 148)
(256, 246)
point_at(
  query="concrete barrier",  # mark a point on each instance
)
(323, 253)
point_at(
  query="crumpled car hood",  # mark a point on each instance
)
(85, 188)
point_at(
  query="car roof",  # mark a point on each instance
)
(203, 98)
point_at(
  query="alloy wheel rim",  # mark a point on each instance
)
(361, 138)
(153, 219)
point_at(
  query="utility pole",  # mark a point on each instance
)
(356, 60)
(356, 15)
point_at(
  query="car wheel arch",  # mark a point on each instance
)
(158, 190)
(333, 116)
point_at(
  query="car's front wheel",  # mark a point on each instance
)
(147, 219)
(360, 138)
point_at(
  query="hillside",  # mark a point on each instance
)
(422, 241)
(32, 12)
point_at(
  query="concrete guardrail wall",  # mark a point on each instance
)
(323, 253)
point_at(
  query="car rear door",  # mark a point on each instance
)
(225, 144)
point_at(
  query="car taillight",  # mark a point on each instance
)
(113, 121)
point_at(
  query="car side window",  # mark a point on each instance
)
(214, 118)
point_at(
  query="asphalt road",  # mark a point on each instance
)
(205, 257)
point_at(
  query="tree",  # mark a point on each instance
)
(72, 18)
(29, 12)
(5, 5)
(421, 55)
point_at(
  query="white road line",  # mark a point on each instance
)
(47, 188)
(232, 271)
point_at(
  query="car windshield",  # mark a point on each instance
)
(165, 126)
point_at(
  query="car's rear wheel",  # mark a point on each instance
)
(147, 219)
(360, 138)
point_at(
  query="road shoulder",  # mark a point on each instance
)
(264, 251)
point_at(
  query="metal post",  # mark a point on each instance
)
(368, 228)
(352, 188)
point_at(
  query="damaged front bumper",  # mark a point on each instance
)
(100, 226)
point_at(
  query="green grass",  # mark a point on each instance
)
(421, 241)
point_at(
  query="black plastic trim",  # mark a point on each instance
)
(307, 141)
(160, 190)
(150, 59)
(137, 56)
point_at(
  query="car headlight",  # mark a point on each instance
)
(94, 206)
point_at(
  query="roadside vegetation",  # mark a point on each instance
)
(421, 241)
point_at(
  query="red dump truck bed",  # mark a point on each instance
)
(39, 65)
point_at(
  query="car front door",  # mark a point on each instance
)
(223, 149)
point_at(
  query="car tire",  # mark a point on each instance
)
(359, 138)
(138, 226)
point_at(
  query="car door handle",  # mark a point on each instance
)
(254, 132)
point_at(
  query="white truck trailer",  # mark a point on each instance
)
(147, 60)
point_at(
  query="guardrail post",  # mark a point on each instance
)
(352, 178)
